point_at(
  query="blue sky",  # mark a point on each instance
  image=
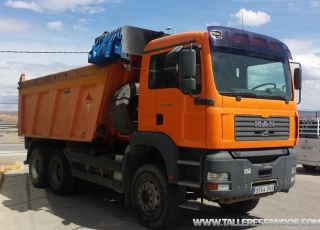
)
(72, 25)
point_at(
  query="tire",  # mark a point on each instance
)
(123, 108)
(240, 207)
(61, 180)
(38, 167)
(309, 167)
(154, 199)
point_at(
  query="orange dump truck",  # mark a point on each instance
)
(168, 120)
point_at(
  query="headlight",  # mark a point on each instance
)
(217, 176)
(294, 170)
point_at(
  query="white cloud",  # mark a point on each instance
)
(305, 52)
(80, 25)
(82, 6)
(35, 65)
(23, 5)
(88, 9)
(83, 20)
(301, 46)
(250, 18)
(315, 4)
(55, 25)
(213, 24)
(12, 25)
(11, 71)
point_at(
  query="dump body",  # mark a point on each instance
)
(71, 104)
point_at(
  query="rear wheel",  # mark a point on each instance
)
(240, 207)
(309, 167)
(154, 199)
(61, 180)
(38, 167)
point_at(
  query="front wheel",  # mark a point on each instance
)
(154, 199)
(240, 207)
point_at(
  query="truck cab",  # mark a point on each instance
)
(238, 124)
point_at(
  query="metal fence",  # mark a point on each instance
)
(8, 127)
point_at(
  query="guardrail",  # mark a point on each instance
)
(8, 127)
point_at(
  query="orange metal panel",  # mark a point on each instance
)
(59, 111)
(40, 114)
(69, 105)
(64, 105)
(221, 123)
(183, 122)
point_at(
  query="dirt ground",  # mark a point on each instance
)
(9, 136)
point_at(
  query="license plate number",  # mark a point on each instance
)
(306, 147)
(262, 189)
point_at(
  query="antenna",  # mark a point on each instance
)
(242, 18)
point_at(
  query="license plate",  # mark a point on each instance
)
(262, 189)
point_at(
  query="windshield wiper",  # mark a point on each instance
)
(239, 95)
(281, 97)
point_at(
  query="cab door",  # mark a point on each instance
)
(177, 114)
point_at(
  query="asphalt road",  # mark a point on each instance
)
(25, 207)
(12, 148)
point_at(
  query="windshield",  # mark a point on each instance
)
(254, 75)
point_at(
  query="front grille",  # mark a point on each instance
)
(254, 128)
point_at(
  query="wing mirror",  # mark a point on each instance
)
(187, 70)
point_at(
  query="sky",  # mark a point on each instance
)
(72, 26)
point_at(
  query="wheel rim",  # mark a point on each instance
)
(35, 167)
(56, 172)
(149, 196)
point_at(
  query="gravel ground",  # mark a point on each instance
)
(9, 136)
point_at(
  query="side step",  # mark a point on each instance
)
(193, 184)
(193, 205)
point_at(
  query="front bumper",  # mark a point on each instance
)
(243, 174)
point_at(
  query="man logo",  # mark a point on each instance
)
(265, 133)
(264, 124)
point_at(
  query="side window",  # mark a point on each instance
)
(164, 72)
(155, 72)
(171, 76)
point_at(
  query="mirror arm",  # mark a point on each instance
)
(292, 62)
(299, 97)
(195, 45)
(190, 94)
